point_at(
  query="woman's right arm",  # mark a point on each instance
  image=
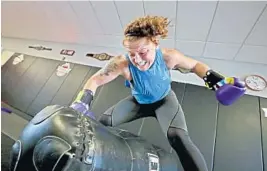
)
(112, 70)
(109, 72)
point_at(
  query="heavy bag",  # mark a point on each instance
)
(62, 139)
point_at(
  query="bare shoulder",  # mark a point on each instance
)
(171, 56)
(124, 67)
(170, 53)
(175, 59)
(119, 61)
(115, 66)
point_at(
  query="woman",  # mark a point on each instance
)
(147, 68)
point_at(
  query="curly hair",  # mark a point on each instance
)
(148, 26)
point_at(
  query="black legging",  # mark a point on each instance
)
(171, 118)
(188, 153)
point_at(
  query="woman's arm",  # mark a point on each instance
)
(109, 72)
(114, 68)
(176, 59)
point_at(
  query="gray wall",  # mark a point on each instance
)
(232, 138)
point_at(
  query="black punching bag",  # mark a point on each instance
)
(61, 139)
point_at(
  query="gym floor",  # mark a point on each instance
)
(231, 138)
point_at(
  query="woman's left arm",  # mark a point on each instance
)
(228, 89)
(176, 60)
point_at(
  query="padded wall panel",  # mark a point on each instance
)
(263, 116)
(31, 82)
(71, 84)
(238, 141)
(11, 75)
(47, 92)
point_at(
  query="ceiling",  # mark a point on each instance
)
(221, 30)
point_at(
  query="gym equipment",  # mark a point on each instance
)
(61, 138)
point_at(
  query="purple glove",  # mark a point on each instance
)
(229, 91)
(83, 108)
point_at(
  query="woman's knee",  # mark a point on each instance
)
(177, 134)
(189, 155)
(105, 120)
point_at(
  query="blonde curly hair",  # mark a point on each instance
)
(152, 27)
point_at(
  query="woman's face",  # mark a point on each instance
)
(141, 52)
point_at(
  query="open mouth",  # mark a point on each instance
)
(142, 63)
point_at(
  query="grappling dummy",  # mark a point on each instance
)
(62, 139)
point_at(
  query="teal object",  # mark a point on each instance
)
(153, 84)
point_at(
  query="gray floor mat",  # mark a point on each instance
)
(6, 145)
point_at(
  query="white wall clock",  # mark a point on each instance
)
(255, 82)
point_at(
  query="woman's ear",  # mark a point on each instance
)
(155, 40)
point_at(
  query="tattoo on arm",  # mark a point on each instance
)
(111, 67)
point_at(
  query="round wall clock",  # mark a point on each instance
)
(255, 82)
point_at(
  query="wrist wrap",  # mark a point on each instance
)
(85, 96)
(212, 78)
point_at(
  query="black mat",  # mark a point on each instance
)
(238, 142)
(263, 106)
(231, 138)
(6, 145)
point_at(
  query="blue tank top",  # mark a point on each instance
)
(153, 84)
